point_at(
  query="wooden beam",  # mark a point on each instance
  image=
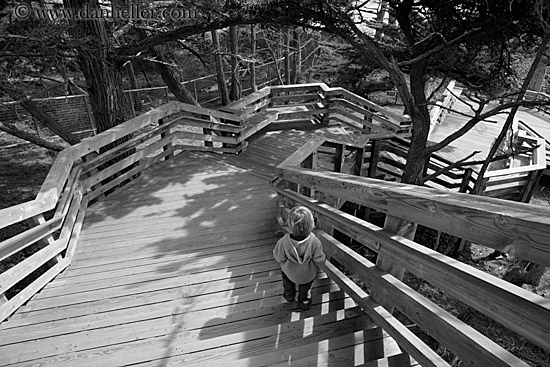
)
(404, 337)
(168, 146)
(375, 153)
(468, 344)
(339, 155)
(19, 299)
(519, 229)
(27, 238)
(52, 251)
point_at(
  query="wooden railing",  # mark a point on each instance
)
(89, 170)
(520, 229)
(516, 183)
(441, 109)
(97, 166)
(532, 95)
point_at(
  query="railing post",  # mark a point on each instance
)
(311, 163)
(465, 184)
(339, 158)
(375, 152)
(167, 147)
(529, 187)
(402, 228)
(327, 104)
(368, 120)
(97, 186)
(358, 165)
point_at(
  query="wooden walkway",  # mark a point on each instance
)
(480, 137)
(176, 269)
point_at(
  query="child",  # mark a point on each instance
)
(298, 253)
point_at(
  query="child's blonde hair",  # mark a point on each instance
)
(300, 221)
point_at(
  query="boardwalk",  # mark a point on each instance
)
(176, 270)
(480, 137)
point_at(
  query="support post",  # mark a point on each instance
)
(374, 157)
(311, 163)
(167, 146)
(358, 165)
(402, 228)
(464, 185)
(339, 158)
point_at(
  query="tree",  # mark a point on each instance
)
(252, 65)
(235, 92)
(218, 62)
(100, 69)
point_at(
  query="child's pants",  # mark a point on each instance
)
(290, 289)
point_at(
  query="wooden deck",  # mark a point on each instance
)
(481, 137)
(176, 269)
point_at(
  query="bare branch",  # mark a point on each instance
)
(13, 130)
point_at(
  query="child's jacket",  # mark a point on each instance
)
(298, 259)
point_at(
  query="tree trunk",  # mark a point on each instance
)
(253, 44)
(176, 87)
(275, 57)
(12, 130)
(288, 77)
(235, 92)
(297, 56)
(38, 113)
(218, 61)
(102, 76)
(417, 157)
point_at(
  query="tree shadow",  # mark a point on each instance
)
(193, 238)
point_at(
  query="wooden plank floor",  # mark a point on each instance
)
(176, 269)
(481, 136)
(277, 142)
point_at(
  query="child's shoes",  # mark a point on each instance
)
(304, 305)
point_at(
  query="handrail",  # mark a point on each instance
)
(80, 174)
(523, 229)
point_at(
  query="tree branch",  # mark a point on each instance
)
(37, 112)
(438, 48)
(12, 130)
